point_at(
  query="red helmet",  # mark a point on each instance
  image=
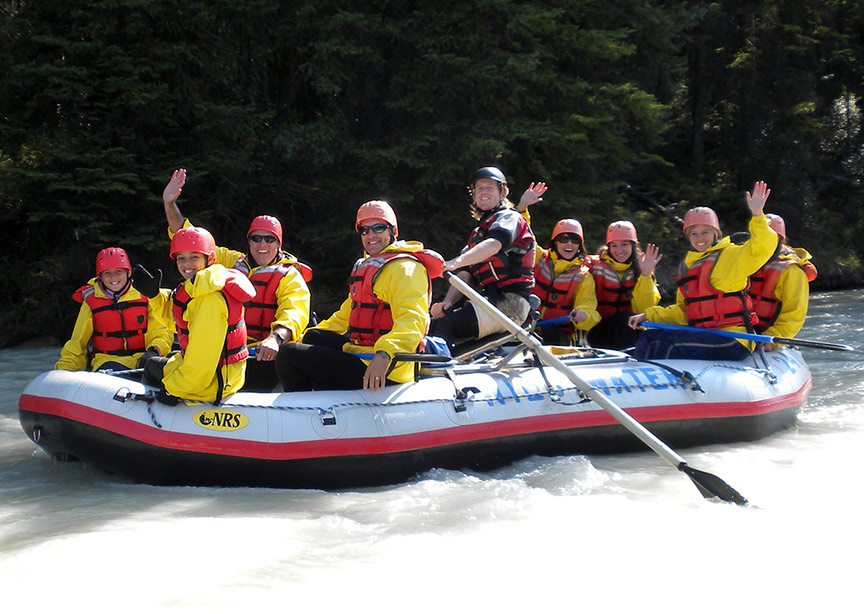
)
(622, 230)
(568, 225)
(112, 258)
(702, 215)
(777, 224)
(377, 210)
(268, 223)
(194, 239)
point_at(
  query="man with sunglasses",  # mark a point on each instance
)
(386, 313)
(280, 310)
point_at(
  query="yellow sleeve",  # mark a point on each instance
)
(159, 322)
(338, 322)
(186, 224)
(193, 374)
(738, 262)
(793, 292)
(586, 300)
(73, 355)
(227, 257)
(645, 294)
(673, 314)
(403, 284)
(293, 304)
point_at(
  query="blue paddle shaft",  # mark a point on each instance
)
(753, 337)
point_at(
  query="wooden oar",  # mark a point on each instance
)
(819, 345)
(708, 484)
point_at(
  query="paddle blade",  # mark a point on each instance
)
(711, 486)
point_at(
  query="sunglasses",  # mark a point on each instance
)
(568, 238)
(376, 228)
(265, 238)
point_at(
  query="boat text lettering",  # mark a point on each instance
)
(221, 420)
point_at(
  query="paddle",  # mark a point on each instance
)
(709, 485)
(120, 373)
(553, 321)
(819, 345)
(396, 358)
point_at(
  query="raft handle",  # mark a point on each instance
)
(461, 396)
(124, 394)
(328, 418)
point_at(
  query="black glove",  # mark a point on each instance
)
(151, 352)
(144, 282)
(166, 399)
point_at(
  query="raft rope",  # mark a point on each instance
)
(765, 373)
(554, 395)
(152, 415)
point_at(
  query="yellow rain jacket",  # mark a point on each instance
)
(645, 292)
(730, 273)
(293, 298)
(192, 375)
(793, 292)
(585, 297)
(73, 355)
(404, 285)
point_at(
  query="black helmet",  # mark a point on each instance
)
(489, 172)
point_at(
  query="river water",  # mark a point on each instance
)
(574, 533)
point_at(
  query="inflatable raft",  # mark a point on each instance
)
(477, 415)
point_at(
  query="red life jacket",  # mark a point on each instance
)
(370, 317)
(763, 282)
(118, 326)
(510, 270)
(261, 310)
(613, 294)
(556, 293)
(707, 307)
(234, 349)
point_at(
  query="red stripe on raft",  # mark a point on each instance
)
(209, 444)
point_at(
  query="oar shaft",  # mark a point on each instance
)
(549, 358)
(552, 321)
(123, 372)
(709, 485)
(754, 337)
(396, 358)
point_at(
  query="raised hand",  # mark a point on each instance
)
(756, 201)
(145, 282)
(533, 194)
(172, 191)
(649, 259)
